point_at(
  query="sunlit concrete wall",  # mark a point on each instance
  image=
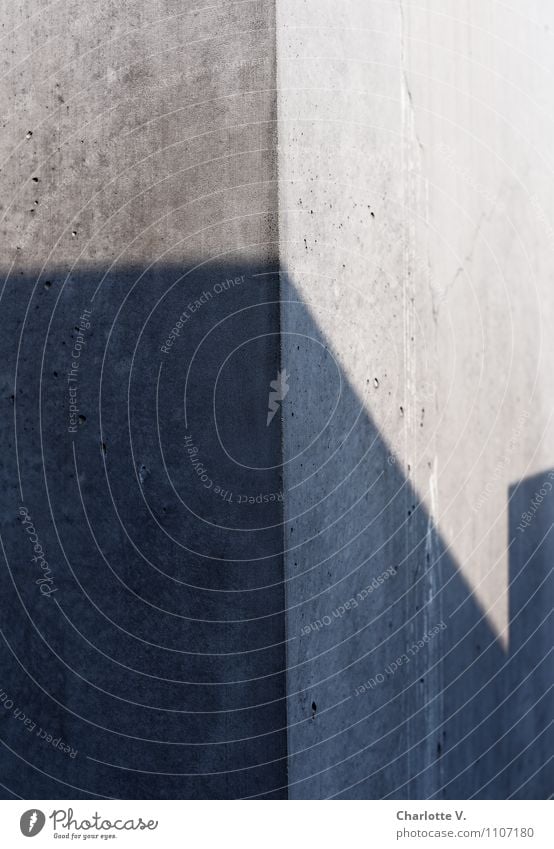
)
(416, 211)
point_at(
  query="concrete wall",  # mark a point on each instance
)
(195, 198)
(138, 176)
(415, 195)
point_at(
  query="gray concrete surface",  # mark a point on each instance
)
(415, 193)
(351, 599)
(138, 182)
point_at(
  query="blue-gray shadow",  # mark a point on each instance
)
(159, 654)
(377, 708)
(160, 657)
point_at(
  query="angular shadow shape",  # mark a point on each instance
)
(397, 685)
(159, 655)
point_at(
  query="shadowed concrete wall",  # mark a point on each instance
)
(138, 184)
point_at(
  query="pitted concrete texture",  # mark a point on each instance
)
(139, 184)
(415, 193)
(276, 352)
